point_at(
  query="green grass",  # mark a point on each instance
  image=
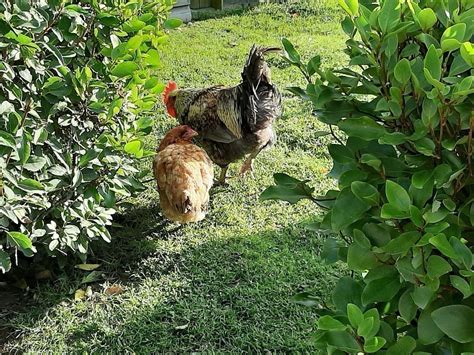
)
(223, 285)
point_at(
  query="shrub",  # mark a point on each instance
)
(77, 87)
(404, 207)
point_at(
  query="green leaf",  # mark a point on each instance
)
(152, 58)
(341, 216)
(91, 277)
(341, 153)
(24, 150)
(365, 327)
(313, 65)
(426, 18)
(432, 63)
(461, 284)
(360, 258)
(133, 25)
(441, 243)
(365, 192)
(35, 163)
(329, 323)
(374, 344)
(389, 15)
(437, 266)
(407, 306)
(362, 127)
(354, 314)
(453, 37)
(402, 244)
(373, 313)
(462, 250)
(134, 147)
(404, 345)
(305, 299)
(22, 242)
(425, 146)
(350, 6)
(416, 216)
(30, 185)
(435, 217)
(341, 340)
(124, 69)
(7, 140)
(420, 178)
(172, 23)
(422, 296)
(397, 196)
(5, 262)
(134, 43)
(428, 331)
(402, 71)
(456, 322)
(347, 291)
(467, 53)
(381, 290)
(291, 54)
(330, 252)
(287, 189)
(390, 211)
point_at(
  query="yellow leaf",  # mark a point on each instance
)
(79, 294)
(87, 267)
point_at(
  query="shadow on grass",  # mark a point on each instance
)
(213, 294)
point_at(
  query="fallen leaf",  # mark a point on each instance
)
(21, 284)
(114, 290)
(79, 294)
(181, 327)
(89, 291)
(87, 267)
(43, 275)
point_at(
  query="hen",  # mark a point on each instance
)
(232, 122)
(184, 174)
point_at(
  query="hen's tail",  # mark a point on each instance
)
(256, 69)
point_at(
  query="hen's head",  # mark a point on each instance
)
(180, 134)
(169, 98)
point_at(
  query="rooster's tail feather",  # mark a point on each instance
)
(256, 69)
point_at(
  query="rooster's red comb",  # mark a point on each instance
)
(170, 87)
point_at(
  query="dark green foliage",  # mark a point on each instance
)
(77, 88)
(405, 208)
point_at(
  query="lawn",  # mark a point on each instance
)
(223, 285)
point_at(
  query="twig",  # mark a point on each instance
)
(55, 19)
(334, 135)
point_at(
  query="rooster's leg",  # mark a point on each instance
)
(247, 166)
(222, 176)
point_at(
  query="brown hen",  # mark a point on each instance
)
(184, 175)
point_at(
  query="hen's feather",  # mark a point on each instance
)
(184, 176)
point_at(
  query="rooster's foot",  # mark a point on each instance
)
(247, 166)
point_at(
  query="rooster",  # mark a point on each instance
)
(232, 122)
(184, 174)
